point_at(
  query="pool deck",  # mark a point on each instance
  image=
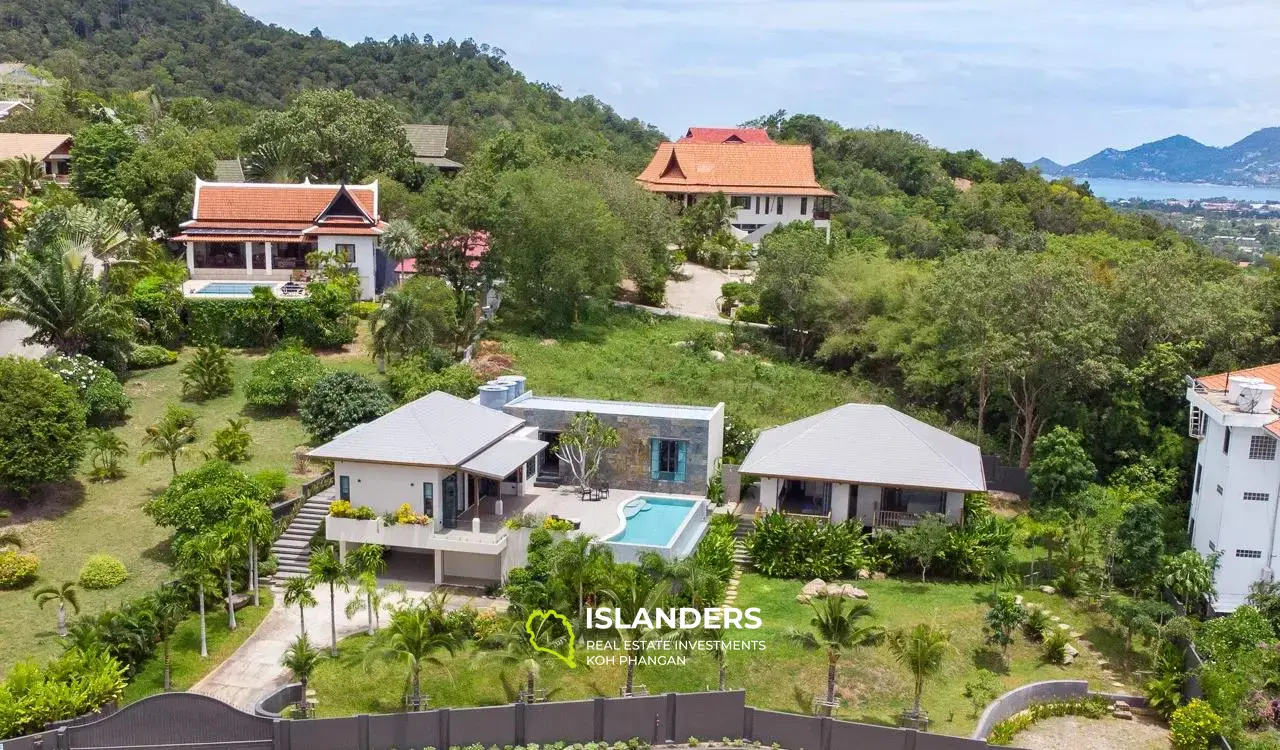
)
(191, 288)
(598, 518)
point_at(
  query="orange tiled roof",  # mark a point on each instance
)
(726, 135)
(687, 167)
(247, 201)
(31, 145)
(1268, 373)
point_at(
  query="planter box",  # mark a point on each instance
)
(353, 530)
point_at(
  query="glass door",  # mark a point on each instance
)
(449, 490)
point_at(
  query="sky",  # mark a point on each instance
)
(1022, 78)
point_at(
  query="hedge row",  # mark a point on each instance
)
(318, 321)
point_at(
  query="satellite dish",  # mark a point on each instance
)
(1249, 399)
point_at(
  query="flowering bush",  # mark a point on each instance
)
(98, 387)
(1194, 725)
(17, 569)
(405, 514)
(557, 524)
(344, 509)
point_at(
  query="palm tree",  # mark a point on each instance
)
(23, 175)
(326, 568)
(635, 592)
(231, 540)
(301, 659)
(274, 162)
(515, 648)
(581, 564)
(400, 240)
(63, 594)
(167, 439)
(836, 628)
(398, 327)
(372, 598)
(196, 560)
(366, 563)
(208, 374)
(105, 451)
(58, 297)
(920, 650)
(414, 632)
(256, 526)
(169, 608)
(298, 591)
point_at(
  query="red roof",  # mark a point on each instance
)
(477, 246)
(752, 168)
(726, 135)
(1267, 373)
(236, 211)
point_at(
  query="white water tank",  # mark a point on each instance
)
(518, 381)
(1235, 383)
(1256, 398)
(493, 396)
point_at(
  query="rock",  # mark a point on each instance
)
(863, 574)
(878, 576)
(1018, 600)
(855, 593)
(717, 356)
(814, 587)
(1068, 659)
(682, 344)
(549, 342)
(1063, 626)
(1075, 634)
(1070, 651)
(803, 598)
(1055, 618)
(834, 589)
(1048, 590)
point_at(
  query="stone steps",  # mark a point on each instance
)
(293, 548)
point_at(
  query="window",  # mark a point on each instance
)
(740, 201)
(1262, 447)
(757, 204)
(779, 205)
(768, 204)
(1254, 554)
(668, 459)
(804, 205)
(344, 487)
(1219, 488)
(428, 498)
(1257, 497)
(346, 250)
(1199, 472)
(1226, 439)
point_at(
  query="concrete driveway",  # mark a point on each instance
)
(699, 292)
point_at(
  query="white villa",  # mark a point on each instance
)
(865, 461)
(261, 233)
(767, 183)
(1235, 488)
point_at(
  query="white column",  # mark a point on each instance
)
(342, 552)
(248, 258)
(268, 246)
(439, 566)
(191, 258)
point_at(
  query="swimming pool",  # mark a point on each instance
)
(228, 289)
(653, 521)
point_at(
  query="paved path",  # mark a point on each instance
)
(254, 669)
(699, 292)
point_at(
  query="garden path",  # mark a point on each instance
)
(1081, 733)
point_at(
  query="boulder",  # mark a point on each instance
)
(878, 576)
(814, 587)
(1070, 651)
(803, 598)
(717, 356)
(855, 593)
(1048, 590)
(834, 589)
(1018, 600)
(863, 574)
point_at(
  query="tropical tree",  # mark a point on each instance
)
(22, 175)
(415, 632)
(1060, 468)
(56, 295)
(925, 541)
(42, 425)
(921, 650)
(582, 565)
(582, 447)
(256, 526)
(301, 659)
(325, 568)
(169, 608)
(1189, 575)
(274, 162)
(629, 595)
(400, 240)
(208, 374)
(372, 597)
(366, 563)
(297, 592)
(414, 317)
(168, 438)
(515, 648)
(64, 594)
(1003, 618)
(197, 558)
(229, 541)
(836, 627)
(105, 451)
(231, 442)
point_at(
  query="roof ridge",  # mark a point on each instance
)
(909, 427)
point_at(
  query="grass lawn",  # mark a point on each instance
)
(65, 524)
(784, 676)
(633, 357)
(186, 666)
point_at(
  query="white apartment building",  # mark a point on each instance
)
(1235, 488)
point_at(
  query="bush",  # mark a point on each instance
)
(273, 481)
(17, 569)
(1093, 707)
(283, 378)
(321, 321)
(1193, 726)
(1037, 624)
(147, 356)
(405, 515)
(750, 314)
(102, 572)
(103, 396)
(557, 524)
(344, 509)
(1054, 649)
(783, 548)
(340, 401)
(42, 426)
(414, 378)
(76, 683)
(208, 374)
(363, 310)
(231, 443)
(157, 307)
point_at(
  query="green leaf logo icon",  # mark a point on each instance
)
(551, 632)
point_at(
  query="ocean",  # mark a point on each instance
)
(1155, 190)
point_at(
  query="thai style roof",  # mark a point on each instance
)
(726, 135)
(752, 168)
(226, 211)
(31, 145)
(436, 430)
(428, 140)
(867, 444)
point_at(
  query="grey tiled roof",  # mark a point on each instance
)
(428, 140)
(504, 457)
(867, 444)
(436, 430)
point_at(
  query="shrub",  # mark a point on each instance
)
(321, 321)
(363, 310)
(272, 480)
(1054, 648)
(102, 572)
(783, 548)
(157, 307)
(557, 524)
(414, 378)
(405, 515)
(1093, 707)
(231, 443)
(340, 401)
(283, 378)
(1037, 624)
(17, 569)
(750, 314)
(42, 426)
(344, 509)
(78, 682)
(1193, 726)
(208, 374)
(147, 356)
(103, 396)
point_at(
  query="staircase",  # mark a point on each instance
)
(546, 479)
(293, 548)
(740, 556)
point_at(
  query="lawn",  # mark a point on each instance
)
(65, 524)
(785, 676)
(186, 666)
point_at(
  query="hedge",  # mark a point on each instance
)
(316, 321)
(1093, 707)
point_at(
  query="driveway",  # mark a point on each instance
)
(254, 669)
(698, 293)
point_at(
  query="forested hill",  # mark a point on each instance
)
(209, 48)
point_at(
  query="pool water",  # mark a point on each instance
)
(228, 287)
(653, 520)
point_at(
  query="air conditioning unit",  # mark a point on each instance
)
(1196, 422)
(1268, 575)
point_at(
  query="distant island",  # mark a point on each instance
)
(1253, 160)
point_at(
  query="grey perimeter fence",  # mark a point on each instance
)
(187, 721)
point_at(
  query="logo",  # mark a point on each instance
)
(543, 626)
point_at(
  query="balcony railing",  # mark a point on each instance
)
(894, 519)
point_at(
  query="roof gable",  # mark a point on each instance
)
(726, 135)
(742, 167)
(299, 204)
(31, 145)
(673, 169)
(343, 206)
